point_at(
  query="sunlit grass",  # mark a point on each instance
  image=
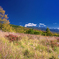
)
(26, 49)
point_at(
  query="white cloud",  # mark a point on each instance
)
(30, 24)
(41, 25)
(58, 28)
(55, 28)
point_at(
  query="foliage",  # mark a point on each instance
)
(30, 31)
(55, 34)
(19, 29)
(37, 32)
(4, 22)
(47, 30)
(8, 28)
(12, 37)
(44, 34)
(48, 33)
(3, 18)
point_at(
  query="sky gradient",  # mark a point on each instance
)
(31, 12)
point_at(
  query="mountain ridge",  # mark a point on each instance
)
(44, 29)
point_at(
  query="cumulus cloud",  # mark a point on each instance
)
(41, 25)
(30, 24)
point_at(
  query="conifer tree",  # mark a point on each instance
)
(3, 18)
(47, 30)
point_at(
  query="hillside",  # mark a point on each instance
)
(35, 28)
(19, 29)
(40, 47)
(26, 43)
(28, 46)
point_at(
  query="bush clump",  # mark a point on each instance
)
(12, 37)
(53, 43)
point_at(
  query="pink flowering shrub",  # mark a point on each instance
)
(12, 37)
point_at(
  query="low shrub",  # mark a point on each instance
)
(44, 34)
(12, 37)
(30, 31)
(53, 43)
(37, 32)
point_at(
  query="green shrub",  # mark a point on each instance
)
(44, 34)
(36, 32)
(49, 34)
(30, 31)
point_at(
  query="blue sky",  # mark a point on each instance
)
(32, 12)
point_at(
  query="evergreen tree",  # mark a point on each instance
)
(47, 30)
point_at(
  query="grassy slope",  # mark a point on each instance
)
(19, 29)
(16, 26)
(27, 48)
